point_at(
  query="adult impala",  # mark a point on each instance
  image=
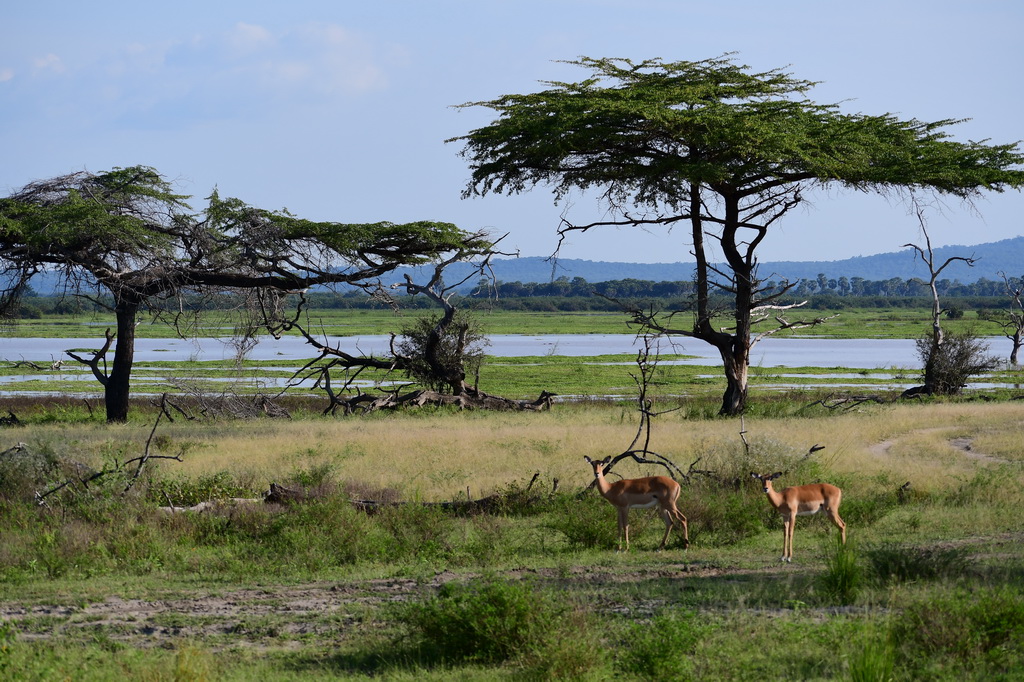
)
(802, 500)
(641, 493)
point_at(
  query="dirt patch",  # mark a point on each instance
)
(284, 617)
(964, 445)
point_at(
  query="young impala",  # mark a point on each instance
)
(802, 500)
(641, 493)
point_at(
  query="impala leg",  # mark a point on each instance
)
(666, 516)
(840, 524)
(787, 539)
(675, 517)
(686, 531)
(623, 527)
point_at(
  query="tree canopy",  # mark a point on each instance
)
(662, 126)
(728, 150)
(127, 232)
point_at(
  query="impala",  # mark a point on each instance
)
(802, 500)
(641, 493)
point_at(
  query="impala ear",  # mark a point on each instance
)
(775, 475)
(589, 461)
(753, 475)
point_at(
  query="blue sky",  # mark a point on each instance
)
(339, 110)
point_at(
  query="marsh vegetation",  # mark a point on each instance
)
(98, 583)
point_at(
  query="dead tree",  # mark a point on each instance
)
(639, 449)
(441, 356)
(948, 360)
(1014, 324)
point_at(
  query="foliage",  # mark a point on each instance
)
(587, 521)
(981, 628)
(8, 635)
(24, 470)
(873, 659)
(725, 150)
(662, 125)
(497, 621)
(663, 648)
(891, 563)
(459, 350)
(950, 365)
(187, 491)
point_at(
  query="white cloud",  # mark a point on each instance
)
(6, 75)
(245, 38)
(322, 58)
(48, 63)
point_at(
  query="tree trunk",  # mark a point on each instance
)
(117, 389)
(734, 348)
(736, 361)
(736, 354)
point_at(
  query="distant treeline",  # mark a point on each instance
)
(841, 286)
(577, 294)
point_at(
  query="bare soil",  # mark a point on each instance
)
(286, 616)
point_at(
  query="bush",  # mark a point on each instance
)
(724, 517)
(949, 367)
(24, 470)
(893, 563)
(496, 621)
(183, 491)
(981, 628)
(587, 522)
(662, 648)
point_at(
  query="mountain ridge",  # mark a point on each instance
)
(1004, 256)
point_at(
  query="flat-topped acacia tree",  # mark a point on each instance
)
(127, 234)
(723, 149)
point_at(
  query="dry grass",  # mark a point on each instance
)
(439, 456)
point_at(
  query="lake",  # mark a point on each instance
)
(771, 352)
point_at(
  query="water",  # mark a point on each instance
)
(771, 352)
(875, 355)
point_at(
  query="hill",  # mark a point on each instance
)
(992, 258)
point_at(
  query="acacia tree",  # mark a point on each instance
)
(725, 150)
(127, 235)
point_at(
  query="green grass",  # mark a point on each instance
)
(98, 585)
(881, 323)
(928, 588)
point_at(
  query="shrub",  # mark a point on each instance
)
(662, 648)
(723, 517)
(418, 531)
(23, 470)
(586, 522)
(495, 621)
(186, 492)
(979, 627)
(891, 563)
(949, 367)
(862, 509)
